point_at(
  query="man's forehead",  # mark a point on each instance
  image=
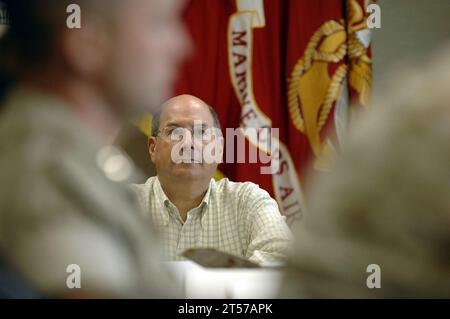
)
(186, 111)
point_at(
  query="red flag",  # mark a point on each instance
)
(296, 65)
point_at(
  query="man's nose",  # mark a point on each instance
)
(188, 140)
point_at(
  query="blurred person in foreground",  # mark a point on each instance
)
(65, 93)
(192, 210)
(385, 203)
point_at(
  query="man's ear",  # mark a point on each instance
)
(219, 149)
(221, 145)
(151, 142)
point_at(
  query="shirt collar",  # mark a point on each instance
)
(206, 198)
(165, 201)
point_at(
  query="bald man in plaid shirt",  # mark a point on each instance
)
(190, 208)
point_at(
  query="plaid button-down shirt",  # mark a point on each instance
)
(238, 218)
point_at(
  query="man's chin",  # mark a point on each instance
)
(191, 170)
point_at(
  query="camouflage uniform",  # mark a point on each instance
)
(62, 203)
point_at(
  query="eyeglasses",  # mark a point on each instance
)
(200, 133)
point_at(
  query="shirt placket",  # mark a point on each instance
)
(188, 232)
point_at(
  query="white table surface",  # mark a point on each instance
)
(199, 282)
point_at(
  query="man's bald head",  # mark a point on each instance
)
(181, 103)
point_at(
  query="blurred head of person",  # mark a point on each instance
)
(125, 53)
(386, 203)
(186, 143)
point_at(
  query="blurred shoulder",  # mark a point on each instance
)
(35, 127)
